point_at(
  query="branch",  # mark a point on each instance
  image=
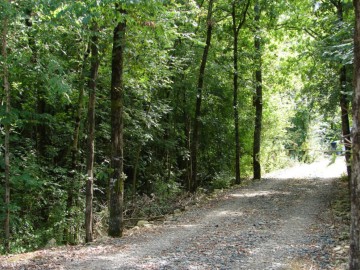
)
(242, 21)
(310, 32)
(336, 3)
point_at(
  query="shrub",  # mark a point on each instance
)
(222, 180)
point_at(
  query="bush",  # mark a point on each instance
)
(221, 180)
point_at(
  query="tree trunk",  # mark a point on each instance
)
(183, 162)
(345, 125)
(355, 175)
(95, 62)
(73, 181)
(188, 162)
(258, 97)
(136, 166)
(200, 85)
(117, 90)
(235, 94)
(41, 134)
(236, 29)
(344, 103)
(7, 134)
(74, 149)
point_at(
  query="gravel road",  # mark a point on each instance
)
(281, 222)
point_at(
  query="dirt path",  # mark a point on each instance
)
(281, 222)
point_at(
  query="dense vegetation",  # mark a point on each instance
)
(108, 104)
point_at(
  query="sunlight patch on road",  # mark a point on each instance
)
(322, 169)
(259, 193)
(188, 225)
(228, 213)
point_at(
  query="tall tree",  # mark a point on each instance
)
(95, 62)
(6, 86)
(200, 86)
(258, 95)
(355, 175)
(236, 26)
(345, 123)
(344, 101)
(117, 154)
(73, 183)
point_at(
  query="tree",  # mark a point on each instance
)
(344, 100)
(6, 86)
(258, 100)
(74, 154)
(117, 153)
(236, 26)
(199, 96)
(91, 133)
(355, 175)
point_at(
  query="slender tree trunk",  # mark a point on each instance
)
(235, 94)
(355, 175)
(73, 184)
(95, 62)
(344, 103)
(7, 135)
(41, 136)
(236, 29)
(167, 153)
(200, 86)
(137, 159)
(188, 162)
(345, 125)
(183, 162)
(117, 157)
(42, 139)
(78, 116)
(258, 97)
(136, 166)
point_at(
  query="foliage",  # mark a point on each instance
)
(222, 180)
(304, 44)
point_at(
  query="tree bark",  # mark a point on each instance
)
(136, 166)
(73, 181)
(117, 157)
(74, 149)
(200, 86)
(95, 62)
(235, 94)
(355, 175)
(345, 125)
(137, 160)
(344, 103)
(236, 29)
(6, 86)
(258, 97)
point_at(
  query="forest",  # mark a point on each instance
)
(114, 109)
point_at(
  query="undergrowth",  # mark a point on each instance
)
(341, 204)
(341, 211)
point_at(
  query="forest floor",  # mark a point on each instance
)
(292, 219)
